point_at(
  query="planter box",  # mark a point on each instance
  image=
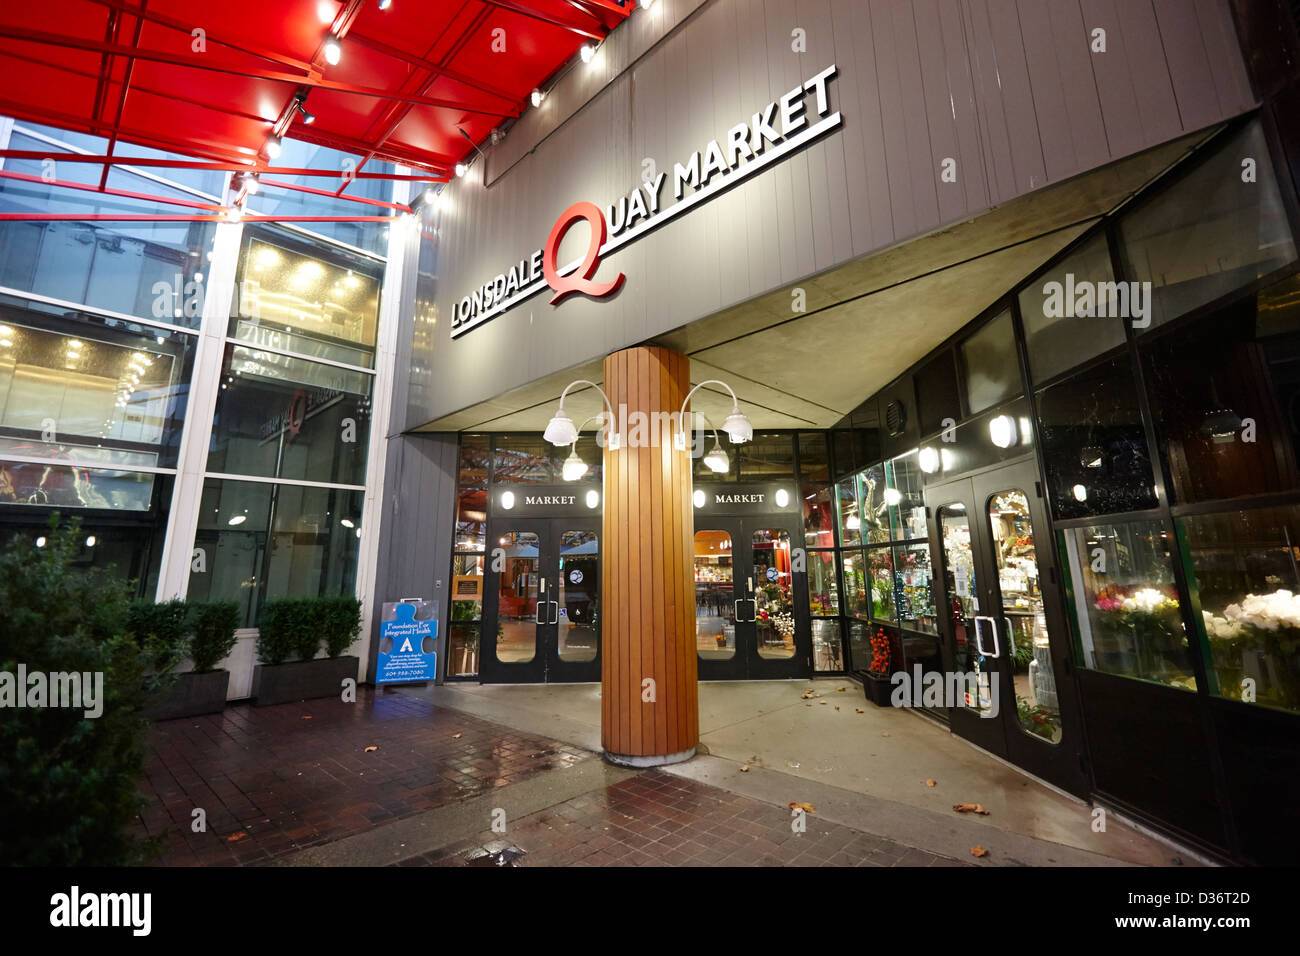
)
(301, 680)
(877, 689)
(192, 695)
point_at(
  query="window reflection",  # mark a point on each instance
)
(466, 615)
(823, 593)
(773, 594)
(1248, 580)
(1125, 605)
(517, 592)
(715, 615)
(579, 611)
(989, 364)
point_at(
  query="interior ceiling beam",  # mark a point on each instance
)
(207, 64)
(555, 21)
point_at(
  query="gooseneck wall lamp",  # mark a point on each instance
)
(736, 425)
(560, 431)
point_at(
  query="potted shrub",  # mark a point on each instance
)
(877, 684)
(290, 634)
(212, 626)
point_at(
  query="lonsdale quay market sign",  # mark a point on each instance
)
(780, 129)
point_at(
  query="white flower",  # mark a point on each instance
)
(1266, 612)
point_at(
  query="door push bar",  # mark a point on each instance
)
(979, 638)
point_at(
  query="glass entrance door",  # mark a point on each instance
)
(1005, 636)
(542, 609)
(751, 611)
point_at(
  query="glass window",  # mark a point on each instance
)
(517, 588)
(1070, 313)
(936, 393)
(715, 611)
(823, 592)
(773, 594)
(579, 617)
(261, 540)
(989, 363)
(847, 510)
(466, 615)
(828, 648)
(525, 460)
(282, 417)
(1245, 569)
(1023, 617)
(462, 648)
(905, 495)
(769, 455)
(1224, 393)
(1094, 443)
(82, 391)
(471, 493)
(817, 531)
(859, 645)
(318, 301)
(855, 584)
(1211, 232)
(814, 461)
(880, 573)
(964, 609)
(1127, 621)
(913, 596)
(875, 516)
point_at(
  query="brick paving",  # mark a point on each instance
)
(273, 780)
(656, 819)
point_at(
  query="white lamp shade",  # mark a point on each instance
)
(574, 467)
(716, 460)
(561, 431)
(737, 427)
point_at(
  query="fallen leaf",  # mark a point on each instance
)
(368, 749)
(822, 702)
(306, 716)
(236, 836)
(841, 688)
(455, 736)
(807, 705)
(859, 710)
(745, 769)
(808, 695)
(805, 807)
(930, 783)
(978, 851)
(884, 735)
(970, 808)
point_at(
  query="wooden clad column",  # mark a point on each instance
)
(647, 582)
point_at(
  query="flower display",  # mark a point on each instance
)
(1267, 612)
(881, 653)
(1268, 625)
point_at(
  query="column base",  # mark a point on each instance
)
(641, 761)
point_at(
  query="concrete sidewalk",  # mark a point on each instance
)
(863, 766)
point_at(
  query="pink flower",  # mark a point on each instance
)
(1109, 604)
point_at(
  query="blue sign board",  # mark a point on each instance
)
(406, 661)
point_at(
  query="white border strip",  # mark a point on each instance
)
(231, 340)
(723, 182)
(93, 310)
(301, 482)
(99, 466)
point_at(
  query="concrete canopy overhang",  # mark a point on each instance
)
(866, 321)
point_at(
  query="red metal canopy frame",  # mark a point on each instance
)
(417, 84)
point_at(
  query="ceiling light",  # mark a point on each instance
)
(892, 496)
(461, 169)
(90, 541)
(716, 460)
(928, 459)
(1092, 456)
(535, 97)
(574, 467)
(385, 4)
(273, 147)
(853, 523)
(1080, 493)
(40, 542)
(1002, 431)
(333, 52)
(587, 52)
(301, 106)
(347, 523)
(251, 184)
(237, 519)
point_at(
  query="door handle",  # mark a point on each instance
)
(555, 612)
(735, 612)
(1011, 637)
(541, 609)
(979, 639)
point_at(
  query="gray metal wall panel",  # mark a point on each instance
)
(1009, 87)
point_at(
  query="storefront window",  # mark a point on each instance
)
(855, 584)
(904, 494)
(1213, 231)
(769, 455)
(989, 364)
(1223, 394)
(859, 645)
(303, 299)
(715, 598)
(282, 417)
(846, 493)
(524, 460)
(471, 493)
(258, 541)
(466, 615)
(1248, 581)
(828, 651)
(823, 594)
(1125, 608)
(1070, 313)
(814, 463)
(1094, 443)
(773, 594)
(880, 575)
(913, 596)
(517, 594)
(875, 504)
(817, 531)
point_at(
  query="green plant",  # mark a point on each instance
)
(160, 630)
(214, 624)
(342, 615)
(277, 636)
(1024, 654)
(67, 781)
(1037, 720)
